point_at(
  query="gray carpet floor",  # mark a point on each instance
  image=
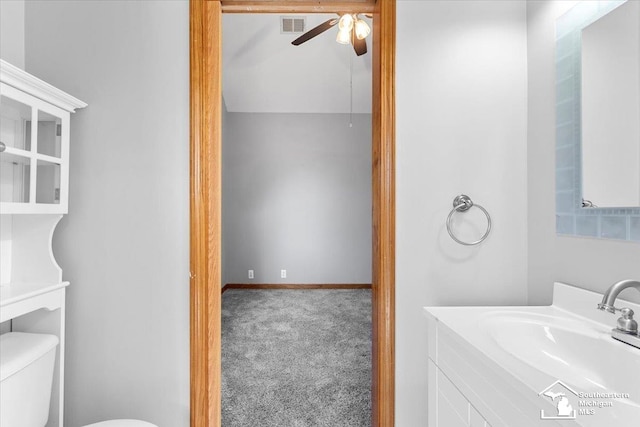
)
(296, 358)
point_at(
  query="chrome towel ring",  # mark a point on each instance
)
(463, 203)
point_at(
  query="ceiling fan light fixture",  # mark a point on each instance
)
(362, 29)
(344, 37)
(346, 22)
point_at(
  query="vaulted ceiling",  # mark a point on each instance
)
(263, 72)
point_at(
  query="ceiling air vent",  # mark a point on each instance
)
(292, 24)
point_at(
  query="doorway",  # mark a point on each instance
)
(205, 197)
(296, 224)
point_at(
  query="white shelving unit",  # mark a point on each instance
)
(34, 183)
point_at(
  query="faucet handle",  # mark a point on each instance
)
(607, 307)
(626, 323)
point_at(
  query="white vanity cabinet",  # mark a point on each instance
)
(466, 388)
(34, 182)
(448, 407)
(531, 366)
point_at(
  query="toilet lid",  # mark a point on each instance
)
(122, 423)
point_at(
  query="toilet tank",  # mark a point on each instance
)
(26, 375)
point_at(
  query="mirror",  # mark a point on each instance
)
(611, 108)
(597, 120)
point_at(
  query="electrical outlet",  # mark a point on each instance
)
(283, 274)
(250, 274)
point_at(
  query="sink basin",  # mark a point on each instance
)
(509, 361)
(563, 347)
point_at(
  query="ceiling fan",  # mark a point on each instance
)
(351, 29)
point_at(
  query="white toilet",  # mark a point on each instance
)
(26, 375)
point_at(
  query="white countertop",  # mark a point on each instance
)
(504, 338)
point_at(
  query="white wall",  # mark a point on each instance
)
(225, 236)
(461, 128)
(589, 263)
(265, 73)
(124, 244)
(12, 32)
(11, 50)
(297, 196)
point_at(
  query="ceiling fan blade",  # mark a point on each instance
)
(315, 31)
(360, 46)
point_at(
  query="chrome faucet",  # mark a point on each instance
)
(627, 328)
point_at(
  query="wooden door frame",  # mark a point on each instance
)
(205, 197)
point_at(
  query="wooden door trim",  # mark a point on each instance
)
(297, 6)
(205, 36)
(206, 202)
(384, 232)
